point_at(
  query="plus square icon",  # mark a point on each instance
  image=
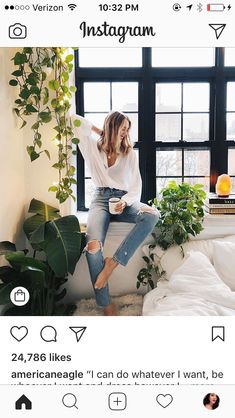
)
(117, 401)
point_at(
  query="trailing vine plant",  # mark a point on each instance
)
(182, 214)
(42, 77)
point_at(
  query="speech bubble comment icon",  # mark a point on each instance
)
(48, 334)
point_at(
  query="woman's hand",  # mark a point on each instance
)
(120, 206)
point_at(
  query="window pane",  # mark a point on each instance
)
(168, 127)
(134, 126)
(230, 126)
(196, 97)
(110, 57)
(97, 97)
(96, 119)
(137, 154)
(168, 97)
(169, 163)
(183, 57)
(196, 163)
(162, 182)
(87, 171)
(199, 180)
(196, 127)
(231, 162)
(229, 59)
(90, 188)
(125, 96)
(230, 96)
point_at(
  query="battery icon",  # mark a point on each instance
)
(212, 7)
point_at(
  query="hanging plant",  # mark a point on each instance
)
(42, 77)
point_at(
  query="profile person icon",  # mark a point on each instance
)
(211, 401)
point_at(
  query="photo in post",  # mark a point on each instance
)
(139, 158)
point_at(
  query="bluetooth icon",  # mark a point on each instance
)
(199, 7)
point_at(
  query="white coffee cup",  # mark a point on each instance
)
(112, 204)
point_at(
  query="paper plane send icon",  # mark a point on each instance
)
(79, 331)
(218, 28)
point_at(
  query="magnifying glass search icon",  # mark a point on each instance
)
(69, 400)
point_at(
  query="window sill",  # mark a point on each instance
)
(217, 226)
(214, 226)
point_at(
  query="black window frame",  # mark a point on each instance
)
(147, 76)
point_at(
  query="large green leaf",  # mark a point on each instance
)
(62, 244)
(38, 236)
(37, 277)
(44, 213)
(7, 247)
(21, 263)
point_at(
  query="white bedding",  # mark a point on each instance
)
(193, 289)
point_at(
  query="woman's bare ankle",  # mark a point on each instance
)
(102, 279)
(110, 310)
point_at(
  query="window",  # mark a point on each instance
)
(182, 111)
(181, 103)
(230, 111)
(110, 57)
(183, 57)
(229, 57)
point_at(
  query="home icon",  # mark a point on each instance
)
(23, 400)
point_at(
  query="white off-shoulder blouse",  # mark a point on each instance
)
(123, 175)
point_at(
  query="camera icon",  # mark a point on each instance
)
(17, 31)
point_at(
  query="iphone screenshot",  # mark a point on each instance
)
(117, 208)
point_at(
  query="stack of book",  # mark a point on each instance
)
(220, 205)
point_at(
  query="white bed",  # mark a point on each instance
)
(201, 283)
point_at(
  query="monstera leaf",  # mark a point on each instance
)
(43, 214)
(61, 241)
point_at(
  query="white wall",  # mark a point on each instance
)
(20, 180)
(12, 170)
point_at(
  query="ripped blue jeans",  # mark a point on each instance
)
(99, 218)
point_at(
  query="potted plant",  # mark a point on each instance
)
(57, 243)
(181, 209)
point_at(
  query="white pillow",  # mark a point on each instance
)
(197, 276)
(224, 261)
(172, 258)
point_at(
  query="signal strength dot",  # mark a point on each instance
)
(72, 6)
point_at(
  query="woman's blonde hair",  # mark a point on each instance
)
(107, 141)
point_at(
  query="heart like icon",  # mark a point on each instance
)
(19, 333)
(164, 400)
